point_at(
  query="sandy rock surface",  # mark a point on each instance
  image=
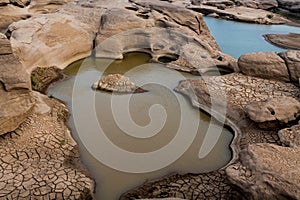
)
(265, 65)
(287, 41)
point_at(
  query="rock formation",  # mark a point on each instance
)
(242, 14)
(286, 41)
(292, 60)
(264, 64)
(39, 158)
(117, 83)
(274, 112)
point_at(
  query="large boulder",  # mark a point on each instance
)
(268, 171)
(51, 40)
(265, 65)
(290, 136)
(285, 41)
(10, 14)
(274, 111)
(15, 107)
(173, 36)
(292, 60)
(117, 83)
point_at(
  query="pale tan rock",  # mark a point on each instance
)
(290, 136)
(274, 172)
(117, 83)
(265, 65)
(46, 6)
(10, 14)
(167, 31)
(292, 60)
(286, 41)
(50, 40)
(5, 47)
(243, 14)
(280, 109)
(15, 107)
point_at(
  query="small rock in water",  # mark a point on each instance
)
(117, 83)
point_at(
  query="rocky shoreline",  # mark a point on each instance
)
(39, 158)
(287, 41)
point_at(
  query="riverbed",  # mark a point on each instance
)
(111, 181)
(102, 127)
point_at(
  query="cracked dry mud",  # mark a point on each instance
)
(239, 90)
(40, 160)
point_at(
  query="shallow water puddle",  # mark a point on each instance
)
(140, 132)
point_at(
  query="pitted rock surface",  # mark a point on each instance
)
(117, 83)
(274, 111)
(51, 40)
(290, 136)
(152, 27)
(40, 160)
(10, 14)
(265, 65)
(15, 107)
(42, 78)
(268, 171)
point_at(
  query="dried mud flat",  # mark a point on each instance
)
(40, 160)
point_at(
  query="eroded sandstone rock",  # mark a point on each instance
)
(117, 83)
(51, 40)
(290, 136)
(292, 60)
(274, 111)
(15, 107)
(265, 65)
(163, 30)
(10, 14)
(268, 171)
(46, 6)
(261, 4)
(286, 41)
(243, 14)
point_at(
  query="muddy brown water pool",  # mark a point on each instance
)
(126, 140)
